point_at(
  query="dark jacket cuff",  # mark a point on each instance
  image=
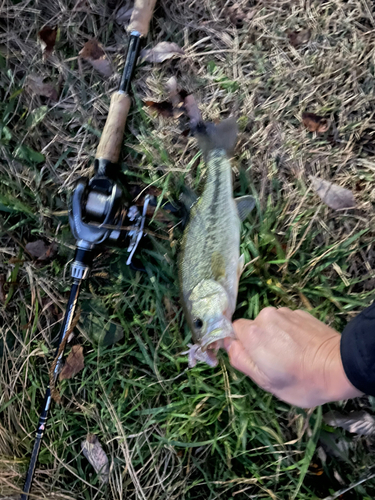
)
(358, 351)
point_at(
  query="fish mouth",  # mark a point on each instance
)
(217, 331)
(196, 353)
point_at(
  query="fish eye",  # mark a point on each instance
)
(198, 323)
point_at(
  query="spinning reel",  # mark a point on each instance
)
(100, 215)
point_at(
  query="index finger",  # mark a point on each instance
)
(247, 332)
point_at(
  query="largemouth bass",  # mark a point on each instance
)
(210, 263)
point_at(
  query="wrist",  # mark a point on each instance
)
(338, 386)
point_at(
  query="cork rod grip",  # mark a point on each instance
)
(110, 142)
(141, 16)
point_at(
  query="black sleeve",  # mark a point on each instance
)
(358, 350)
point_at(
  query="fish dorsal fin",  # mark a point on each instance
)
(244, 204)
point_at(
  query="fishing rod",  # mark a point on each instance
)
(96, 204)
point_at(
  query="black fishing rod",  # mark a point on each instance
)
(97, 204)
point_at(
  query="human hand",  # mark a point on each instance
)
(292, 355)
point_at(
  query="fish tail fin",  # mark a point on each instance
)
(220, 136)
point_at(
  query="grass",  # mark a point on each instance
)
(171, 432)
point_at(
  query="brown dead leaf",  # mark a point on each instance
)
(74, 363)
(16, 260)
(95, 454)
(54, 391)
(94, 54)
(161, 52)
(81, 6)
(34, 83)
(315, 123)
(163, 108)
(174, 107)
(357, 422)
(124, 14)
(41, 251)
(192, 111)
(47, 37)
(2, 291)
(334, 196)
(177, 97)
(297, 38)
(238, 16)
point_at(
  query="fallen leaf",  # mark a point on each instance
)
(41, 251)
(47, 37)
(161, 52)
(174, 107)
(2, 291)
(172, 88)
(15, 260)
(297, 38)
(192, 111)
(52, 380)
(315, 469)
(124, 14)
(34, 83)
(238, 16)
(94, 54)
(95, 454)
(36, 248)
(163, 108)
(334, 196)
(177, 97)
(357, 422)
(315, 123)
(74, 363)
(81, 6)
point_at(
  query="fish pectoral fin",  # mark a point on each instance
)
(240, 265)
(188, 197)
(244, 204)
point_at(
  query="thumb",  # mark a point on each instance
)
(240, 359)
